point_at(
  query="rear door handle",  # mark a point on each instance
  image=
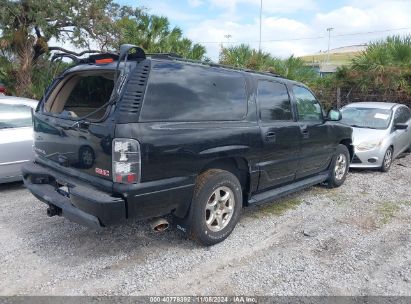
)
(270, 136)
(304, 131)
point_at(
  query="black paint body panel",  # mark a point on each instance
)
(174, 153)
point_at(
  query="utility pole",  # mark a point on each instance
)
(261, 13)
(329, 39)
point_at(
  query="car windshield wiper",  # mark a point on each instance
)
(364, 127)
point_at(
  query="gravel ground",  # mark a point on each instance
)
(354, 240)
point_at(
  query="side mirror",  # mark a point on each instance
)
(400, 126)
(334, 115)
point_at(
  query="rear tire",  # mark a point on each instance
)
(339, 167)
(387, 160)
(216, 206)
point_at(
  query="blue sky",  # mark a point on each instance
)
(284, 22)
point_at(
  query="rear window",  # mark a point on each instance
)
(80, 94)
(14, 116)
(184, 92)
(274, 101)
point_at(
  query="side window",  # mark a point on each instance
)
(274, 101)
(402, 115)
(14, 116)
(307, 105)
(187, 92)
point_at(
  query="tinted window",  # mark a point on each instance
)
(402, 115)
(307, 105)
(14, 116)
(274, 101)
(178, 92)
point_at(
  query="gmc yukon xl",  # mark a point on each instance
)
(135, 136)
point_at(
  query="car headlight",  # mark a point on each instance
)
(368, 145)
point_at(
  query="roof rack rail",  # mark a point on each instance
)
(164, 55)
(172, 56)
(72, 55)
(95, 54)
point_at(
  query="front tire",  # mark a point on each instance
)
(387, 160)
(216, 206)
(339, 167)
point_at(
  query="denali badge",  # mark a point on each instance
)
(102, 172)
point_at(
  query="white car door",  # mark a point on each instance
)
(16, 139)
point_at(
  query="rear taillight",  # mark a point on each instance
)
(126, 161)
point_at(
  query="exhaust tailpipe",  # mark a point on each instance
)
(159, 224)
(53, 210)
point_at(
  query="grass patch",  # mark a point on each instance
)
(387, 211)
(280, 207)
(405, 203)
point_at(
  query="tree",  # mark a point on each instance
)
(385, 65)
(246, 57)
(154, 35)
(28, 26)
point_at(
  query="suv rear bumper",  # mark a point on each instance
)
(82, 203)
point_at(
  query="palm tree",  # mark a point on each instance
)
(154, 35)
(384, 65)
(246, 57)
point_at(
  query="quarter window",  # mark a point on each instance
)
(188, 92)
(274, 101)
(307, 105)
(14, 116)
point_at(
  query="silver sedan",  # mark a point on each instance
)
(16, 136)
(381, 131)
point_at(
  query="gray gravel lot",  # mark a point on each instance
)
(354, 240)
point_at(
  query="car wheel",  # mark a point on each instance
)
(339, 167)
(216, 206)
(387, 160)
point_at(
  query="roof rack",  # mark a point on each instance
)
(172, 56)
(96, 55)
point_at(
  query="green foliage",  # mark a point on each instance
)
(384, 65)
(27, 27)
(245, 57)
(154, 35)
(382, 71)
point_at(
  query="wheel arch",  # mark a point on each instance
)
(348, 143)
(238, 166)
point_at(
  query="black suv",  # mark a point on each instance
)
(131, 135)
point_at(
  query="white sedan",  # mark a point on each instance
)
(381, 132)
(16, 136)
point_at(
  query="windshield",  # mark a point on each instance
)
(366, 117)
(14, 116)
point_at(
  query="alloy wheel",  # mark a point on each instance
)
(387, 158)
(219, 209)
(340, 166)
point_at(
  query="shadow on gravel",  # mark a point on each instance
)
(61, 241)
(11, 186)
